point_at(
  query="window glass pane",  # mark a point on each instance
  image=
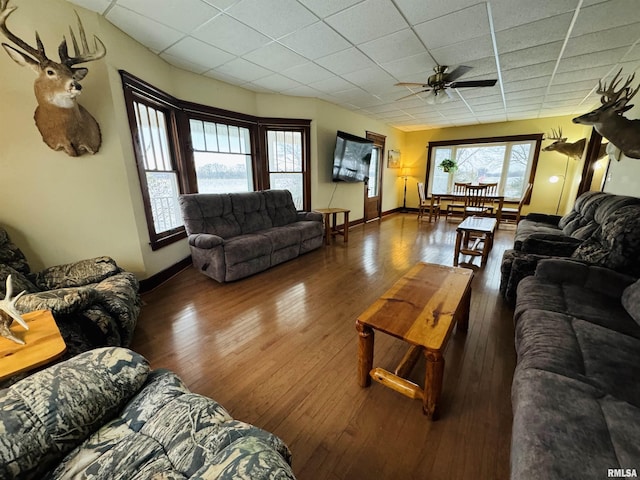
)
(291, 182)
(517, 170)
(284, 151)
(440, 177)
(372, 185)
(211, 137)
(197, 135)
(479, 164)
(163, 195)
(223, 172)
(223, 138)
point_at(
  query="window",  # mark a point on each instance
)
(182, 147)
(285, 150)
(222, 157)
(508, 161)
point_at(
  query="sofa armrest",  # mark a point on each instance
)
(61, 301)
(549, 244)
(205, 240)
(591, 277)
(544, 218)
(313, 216)
(77, 274)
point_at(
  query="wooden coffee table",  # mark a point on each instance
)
(43, 344)
(421, 309)
(485, 228)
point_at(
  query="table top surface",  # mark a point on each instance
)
(331, 210)
(478, 224)
(420, 307)
(43, 343)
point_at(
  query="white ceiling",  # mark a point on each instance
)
(547, 55)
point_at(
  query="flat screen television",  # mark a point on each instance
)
(351, 158)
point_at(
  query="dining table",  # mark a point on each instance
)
(498, 200)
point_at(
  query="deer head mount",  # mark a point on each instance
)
(608, 120)
(572, 150)
(63, 123)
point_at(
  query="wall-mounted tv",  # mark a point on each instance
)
(351, 158)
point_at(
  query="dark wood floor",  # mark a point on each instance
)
(278, 350)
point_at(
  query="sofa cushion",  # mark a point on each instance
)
(11, 255)
(209, 213)
(631, 300)
(280, 206)
(250, 210)
(282, 237)
(19, 281)
(567, 429)
(246, 247)
(77, 274)
(616, 244)
(49, 413)
(571, 299)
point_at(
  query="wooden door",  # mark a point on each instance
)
(373, 186)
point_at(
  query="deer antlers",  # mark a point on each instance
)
(611, 98)
(556, 135)
(39, 54)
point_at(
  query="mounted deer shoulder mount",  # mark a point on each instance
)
(63, 123)
(572, 150)
(608, 120)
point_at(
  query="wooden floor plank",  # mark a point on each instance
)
(279, 350)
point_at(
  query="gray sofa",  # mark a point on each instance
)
(232, 236)
(95, 302)
(602, 229)
(575, 392)
(104, 415)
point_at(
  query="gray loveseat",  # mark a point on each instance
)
(95, 302)
(575, 393)
(232, 236)
(104, 415)
(602, 229)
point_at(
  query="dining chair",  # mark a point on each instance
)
(492, 189)
(425, 203)
(517, 211)
(457, 206)
(476, 201)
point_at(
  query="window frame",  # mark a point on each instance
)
(178, 113)
(534, 137)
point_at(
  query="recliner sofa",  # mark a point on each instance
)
(105, 415)
(601, 229)
(575, 392)
(234, 235)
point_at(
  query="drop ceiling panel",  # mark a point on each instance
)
(230, 35)
(367, 20)
(199, 53)
(186, 15)
(243, 69)
(346, 61)
(324, 8)
(154, 35)
(454, 28)
(400, 44)
(275, 57)
(274, 18)
(315, 41)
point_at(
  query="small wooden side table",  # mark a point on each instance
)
(485, 227)
(331, 229)
(43, 343)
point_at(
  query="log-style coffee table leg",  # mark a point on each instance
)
(365, 353)
(462, 314)
(432, 382)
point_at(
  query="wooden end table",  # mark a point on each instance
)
(420, 309)
(43, 343)
(331, 229)
(485, 227)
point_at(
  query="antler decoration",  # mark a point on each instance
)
(610, 97)
(9, 313)
(86, 55)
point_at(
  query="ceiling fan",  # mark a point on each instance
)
(441, 81)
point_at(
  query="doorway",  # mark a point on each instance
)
(373, 186)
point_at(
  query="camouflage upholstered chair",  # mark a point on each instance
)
(94, 302)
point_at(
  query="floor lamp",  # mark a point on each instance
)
(556, 179)
(404, 173)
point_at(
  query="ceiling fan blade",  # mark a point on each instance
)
(457, 72)
(411, 84)
(412, 94)
(473, 83)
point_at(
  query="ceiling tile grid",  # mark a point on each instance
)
(547, 58)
